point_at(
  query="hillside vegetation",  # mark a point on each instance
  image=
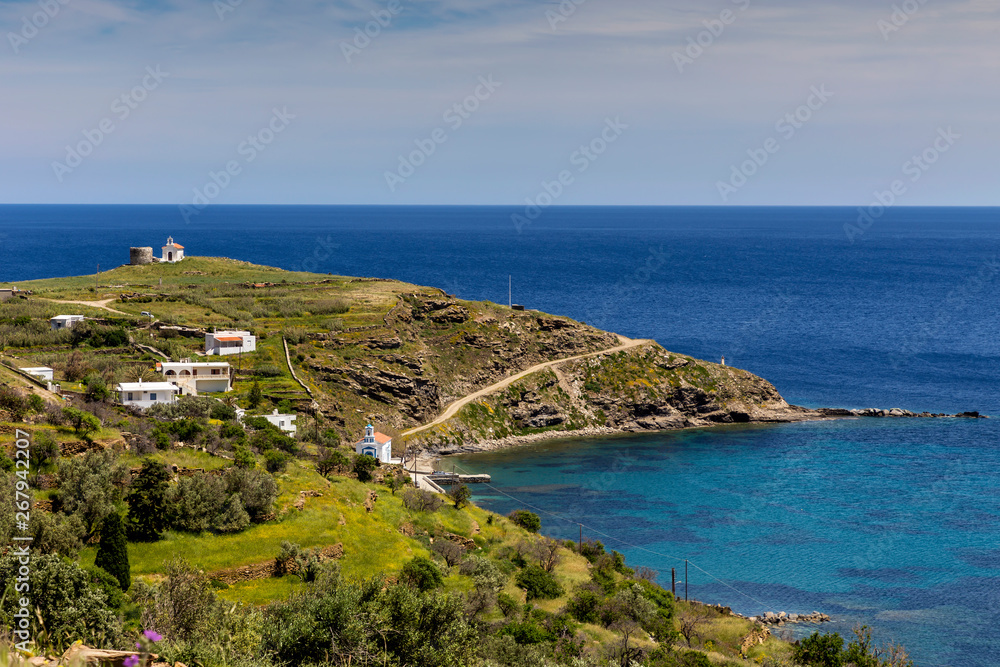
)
(247, 546)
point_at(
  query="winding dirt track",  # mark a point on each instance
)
(93, 304)
(453, 408)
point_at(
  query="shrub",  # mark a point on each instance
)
(267, 371)
(57, 534)
(275, 461)
(97, 388)
(363, 467)
(257, 491)
(584, 605)
(818, 650)
(527, 520)
(223, 412)
(233, 518)
(256, 395)
(183, 607)
(422, 574)
(592, 550)
(112, 553)
(538, 584)
(232, 430)
(44, 449)
(195, 502)
(243, 457)
(69, 607)
(508, 604)
(36, 403)
(421, 500)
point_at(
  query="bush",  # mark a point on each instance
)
(44, 449)
(233, 518)
(223, 412)
(527, 520)
(459, 495)
(257, 491)
(13, 402)
(818, 650)
(97, 388)
(57, 534)
(195, 502)
(584, 605)
(422, 574)
(243, 457)
(451, 553)
(275, 461)
(363, 467)
(232, 430)
(268, 371)
(70, 608)
(538, 583)
(421, 500)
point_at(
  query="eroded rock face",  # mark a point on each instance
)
(415, 396)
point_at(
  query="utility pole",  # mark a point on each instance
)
(685, 580)
(581, 537)
(97, 283)
(510, 298)
(673, 581)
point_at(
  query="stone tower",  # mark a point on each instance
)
(139, 256)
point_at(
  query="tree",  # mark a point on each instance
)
(257, 491)
(330, 461)
(397, 480)
(363, 467)
(82, 422)
(195, 502)
(97, 388)
(527, 520)
(460, 495)
(91, 486)
(256, 395)
(421, 500)
(147, 502)
(112, 554)
(691, 621)
(451, 553)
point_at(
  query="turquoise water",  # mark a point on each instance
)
(888, 523)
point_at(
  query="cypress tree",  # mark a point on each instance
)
(147, 502)
(112, 555)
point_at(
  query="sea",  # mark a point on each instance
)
(890, 523)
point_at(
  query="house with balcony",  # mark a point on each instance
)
(198, 377)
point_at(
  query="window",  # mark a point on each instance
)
(129, 396)
(152, 396)
(216, 371)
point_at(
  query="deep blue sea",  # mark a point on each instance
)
(895, 524)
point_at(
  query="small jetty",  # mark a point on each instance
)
(449, 478)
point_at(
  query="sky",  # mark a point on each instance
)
(514, 102)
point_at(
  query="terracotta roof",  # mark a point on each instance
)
(380, 438)
(229, 338)
(174, 245)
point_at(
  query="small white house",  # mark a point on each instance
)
(285, 422)
(172, 252)
(65, 321)
(229, 342)
(375, 444)
(198, 376)
(147, 394)
(41, 372)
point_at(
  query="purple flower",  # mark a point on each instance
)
(152, 635)
(138, 646)
(131, 661)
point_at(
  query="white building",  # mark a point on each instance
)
(375, 444)
(229, 342)
(147, 394)
(172, 252)
(198, 376)
(41, 372)
(65, 321)
(285, 422)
